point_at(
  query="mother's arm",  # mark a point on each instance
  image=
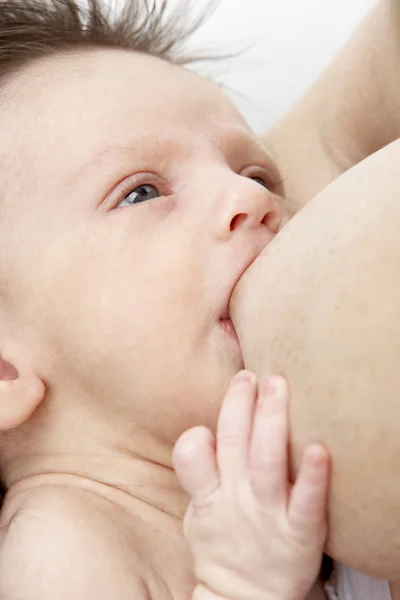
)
(350, 112)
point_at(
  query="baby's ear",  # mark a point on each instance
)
(21, 391)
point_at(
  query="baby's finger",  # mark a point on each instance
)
(269, 444)
(187, 519)
(201, 592)
(194, 461)
(308, 502)
(234, 428)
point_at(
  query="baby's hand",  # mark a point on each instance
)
(253, 535)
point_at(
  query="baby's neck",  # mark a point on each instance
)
(125, 479)
(111, 453)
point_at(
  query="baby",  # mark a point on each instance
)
(133, 198)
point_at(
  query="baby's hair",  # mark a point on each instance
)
(33, 29)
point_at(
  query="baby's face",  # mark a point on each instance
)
(134, 198)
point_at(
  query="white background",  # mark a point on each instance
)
(291, 41)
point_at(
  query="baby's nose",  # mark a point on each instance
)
(253, 207)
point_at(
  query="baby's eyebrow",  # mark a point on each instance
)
(139, 148)
(107, 153)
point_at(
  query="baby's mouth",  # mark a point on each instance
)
(228, 327)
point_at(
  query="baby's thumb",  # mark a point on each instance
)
(194, 461)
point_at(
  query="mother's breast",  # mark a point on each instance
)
(321, 305)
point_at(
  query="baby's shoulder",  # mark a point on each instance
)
(67, 543)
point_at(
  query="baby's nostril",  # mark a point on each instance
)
(238, 220)
(272, 220)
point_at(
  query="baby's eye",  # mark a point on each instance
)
(260, 181)
(140, 194)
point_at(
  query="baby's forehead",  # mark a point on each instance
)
(75, 88)
(71, 105)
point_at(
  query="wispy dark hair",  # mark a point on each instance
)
(32, 29)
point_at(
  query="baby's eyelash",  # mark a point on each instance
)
(136, 180)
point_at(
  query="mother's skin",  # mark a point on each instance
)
(351, 111)
(322, 304)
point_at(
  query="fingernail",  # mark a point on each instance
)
(316, 455)
(275, 387)
(245, 376)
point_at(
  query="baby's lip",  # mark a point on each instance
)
(229, 328)
(225, 314)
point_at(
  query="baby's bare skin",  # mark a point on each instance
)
(137, 217)
(69, 536)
